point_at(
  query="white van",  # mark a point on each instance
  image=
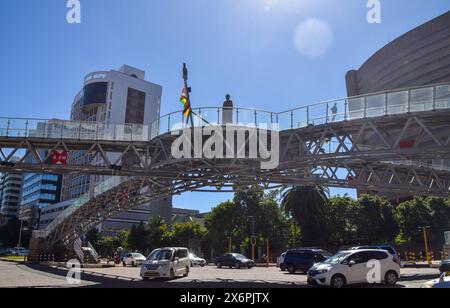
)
(167, 262)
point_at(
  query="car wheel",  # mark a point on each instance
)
(250, 266)
(219, 265)
(172, 274)
(391, 278)
(237, 266)
(282, 267)
(186, 274)
(291, 270)
(338, 282)
(202, 265)
(124, 264)
(133, 264)
(192, 264)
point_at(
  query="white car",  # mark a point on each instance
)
(442, 283)
(133, 259)
(356, 267)
(280, 262)
(166, 263)
(196, 261)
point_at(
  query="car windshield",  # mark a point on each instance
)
(325, 253)
(138, 255)
(239, 256)
(337, 258)
(160, 255)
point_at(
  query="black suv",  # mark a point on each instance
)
(445, 266)
(301, 260)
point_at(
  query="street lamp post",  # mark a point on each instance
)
(252, 235)
(20, 235)
(425, 239)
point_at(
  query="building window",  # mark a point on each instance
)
(135, 107)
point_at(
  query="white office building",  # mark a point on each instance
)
(115, 97)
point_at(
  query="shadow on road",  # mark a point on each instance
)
(109, 281)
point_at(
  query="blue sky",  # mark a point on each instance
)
(242, 47)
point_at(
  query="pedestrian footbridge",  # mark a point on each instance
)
(395, 143)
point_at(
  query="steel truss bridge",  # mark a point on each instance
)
(388, 143)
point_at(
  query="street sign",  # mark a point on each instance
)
(59, 157)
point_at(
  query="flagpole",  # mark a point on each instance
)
(185, 78)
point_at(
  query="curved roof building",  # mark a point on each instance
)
(419, 57)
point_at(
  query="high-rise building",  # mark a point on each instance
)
(10, 195)
(39, 190)
(115, 97)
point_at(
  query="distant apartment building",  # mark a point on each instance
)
(50, 212)
(10, 195)
(185, 215)
(115, 97)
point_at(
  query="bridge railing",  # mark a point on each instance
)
(367, 106)
(386, 103)
(77, 130)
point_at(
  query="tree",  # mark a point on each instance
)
(307, 206)
(418, 212)
(440, 215)
(410, 215)
(108, 245)
(225, 221)
(374, 219)
(184, 232)
(92, 237)
(9, 234)
(137, 239)
(158, 235)
(234, 219)
(340, 228)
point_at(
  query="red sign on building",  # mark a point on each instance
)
(59, 157)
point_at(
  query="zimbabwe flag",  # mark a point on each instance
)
(186, 103)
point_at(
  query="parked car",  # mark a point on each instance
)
(280, 262)
(168, 263)
(235, 260)
(301, 260)
(389, 248)
(351, 267)
(133, 259)
(445, 267)
(196, 261)
(17, 251)
(442, 283)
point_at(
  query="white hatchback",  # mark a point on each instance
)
(166, 263)
(356, 267)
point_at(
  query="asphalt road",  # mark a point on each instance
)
(40, 276)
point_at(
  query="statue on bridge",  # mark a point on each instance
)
(227, 112)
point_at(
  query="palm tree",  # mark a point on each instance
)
(307, 205)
